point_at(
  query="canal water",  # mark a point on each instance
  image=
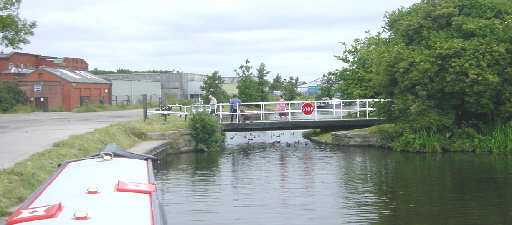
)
(280, 178)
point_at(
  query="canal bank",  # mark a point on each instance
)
(20, 180)
(355, 138)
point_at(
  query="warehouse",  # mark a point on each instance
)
(57, 88)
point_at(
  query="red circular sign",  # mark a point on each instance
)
(307, 108)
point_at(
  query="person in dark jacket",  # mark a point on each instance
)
(234, 103)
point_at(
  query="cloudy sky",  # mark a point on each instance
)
(298, 38)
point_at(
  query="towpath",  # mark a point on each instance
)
(22, 135)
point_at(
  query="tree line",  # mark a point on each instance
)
(252, 86)
(446, 65)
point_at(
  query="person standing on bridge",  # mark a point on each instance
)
(234, 103)
(281, 107)
(213, 104)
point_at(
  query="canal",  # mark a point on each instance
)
(278, 177)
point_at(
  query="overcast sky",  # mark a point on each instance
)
(298, 38)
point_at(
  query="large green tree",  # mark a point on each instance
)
(212, 85)
(448, 64)
(10, 95)
(262, 83)
(13, 29)
(328, 85)
(355, 80)
(290, 91)
(277, 84)
(247, 86)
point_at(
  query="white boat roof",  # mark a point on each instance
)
(108, 207)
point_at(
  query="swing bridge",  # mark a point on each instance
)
(297, 115)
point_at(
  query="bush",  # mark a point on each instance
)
(206, 131)
(10, 95)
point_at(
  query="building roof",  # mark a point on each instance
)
(316, 82)
(18, 70)
(75, 76)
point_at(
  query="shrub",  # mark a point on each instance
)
(10, 95)
(206, 131)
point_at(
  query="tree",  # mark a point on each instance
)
(328, 86)
(212, 86)
(446, 64)
(277, 84)
(356, 79)
(10, 95)
(14, 30)
(247, 85)
(262, 83)
(290, 91)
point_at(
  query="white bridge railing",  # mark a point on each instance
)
(294, 110)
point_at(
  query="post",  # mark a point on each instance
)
(367, 108)
(341, 109)
(237, 113)
(262, 110)
(289, 112)
(334, 110)
(131, 88)
(316, 112)
(220, 113)
(357, 108)
(145, 104)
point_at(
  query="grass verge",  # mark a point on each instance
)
(19, 181)
(324, 136)
(101, 108)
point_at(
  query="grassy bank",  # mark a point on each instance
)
(492, 138)
(323, 136)
(19, 181)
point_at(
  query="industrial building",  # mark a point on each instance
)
(57, 88)
(129, 88)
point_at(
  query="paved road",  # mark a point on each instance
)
(22, 135)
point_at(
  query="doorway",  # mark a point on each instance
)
(42, 103)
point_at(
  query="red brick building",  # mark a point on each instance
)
(16, 65)
(75, 64)
(53, 88)
(25, 61)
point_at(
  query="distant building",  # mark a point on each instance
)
(181, 85)
(58, 88)
(129, 88)
(310, 88)
(229, 85)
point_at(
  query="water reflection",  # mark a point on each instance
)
(280, 178)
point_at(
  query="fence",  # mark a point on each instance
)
(137, 99)
(293, 110)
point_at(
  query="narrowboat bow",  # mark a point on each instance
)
(109, 187)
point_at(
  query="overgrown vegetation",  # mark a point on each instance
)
(446, 67)
(325, 136)
(205, 130)
(11, 96)
(19, 181)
